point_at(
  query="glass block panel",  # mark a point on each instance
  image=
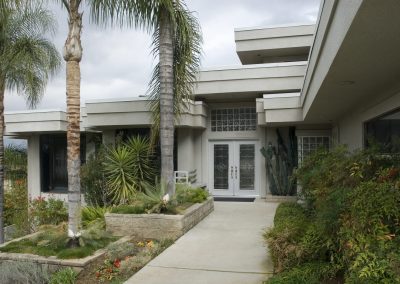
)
(234, 119)
(308, 144)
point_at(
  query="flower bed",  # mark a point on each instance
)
(158, 226)
(51, 263)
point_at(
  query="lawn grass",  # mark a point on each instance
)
(53, 241)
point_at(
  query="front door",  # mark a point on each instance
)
(233, 168)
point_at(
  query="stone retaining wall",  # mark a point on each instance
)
(52, 264)
(158, 226)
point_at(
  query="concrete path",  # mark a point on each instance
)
(226, 247)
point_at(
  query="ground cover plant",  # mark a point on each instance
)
(51, 241)
(121, 261)
(348, 229)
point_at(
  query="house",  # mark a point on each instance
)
(336, 82)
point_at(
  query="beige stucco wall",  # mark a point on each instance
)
(34, 166)
(351, 127)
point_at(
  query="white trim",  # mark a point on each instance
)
(254, 66)
(281, 95)
(277, 26)
(34, 111)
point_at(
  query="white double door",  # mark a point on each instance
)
(233, 169)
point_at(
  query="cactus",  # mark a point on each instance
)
(280, 162)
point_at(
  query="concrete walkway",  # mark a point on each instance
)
(226, 247)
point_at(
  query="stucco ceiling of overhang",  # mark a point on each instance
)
(366, 67)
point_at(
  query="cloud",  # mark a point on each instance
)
(118, 63)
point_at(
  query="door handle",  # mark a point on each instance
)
(231, 171)
(236, 172)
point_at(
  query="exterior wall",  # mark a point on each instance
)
(34, 173)
(351, 127)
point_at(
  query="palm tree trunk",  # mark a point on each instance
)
(2, 90)
(73, 55)
(166, 101)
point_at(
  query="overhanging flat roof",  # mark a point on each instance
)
(250, 81)
(270, 44)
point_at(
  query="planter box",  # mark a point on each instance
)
(158, 226)
(277, 198)
(52, 263)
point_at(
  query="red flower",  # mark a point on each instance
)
(117, 263)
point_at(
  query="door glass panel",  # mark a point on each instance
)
(221, 166)
(247, 166)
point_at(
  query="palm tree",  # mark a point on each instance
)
(27, 59)
(177, 42)
(72, 54)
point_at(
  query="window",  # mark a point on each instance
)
(384, 132)
(234, 119)
(306, 145)
(53, 160)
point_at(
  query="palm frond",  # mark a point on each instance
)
(123, 13)
(27, 57)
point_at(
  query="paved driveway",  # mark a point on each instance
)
(226, 247)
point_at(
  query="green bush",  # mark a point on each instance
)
(64, 276)
(90, 214)
(16, 203)
(93, 181)
(291, 223)
(186, 194)
(308, 273)
(351, 220)
(47, 212)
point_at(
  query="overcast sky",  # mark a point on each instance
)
(117, 63)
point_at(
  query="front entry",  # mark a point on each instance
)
(233, 168)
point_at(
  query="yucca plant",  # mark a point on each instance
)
(141, 155)
(118, 167)
(126, 166)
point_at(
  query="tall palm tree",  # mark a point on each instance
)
(177, 42)
(72, 54)
(27, 59)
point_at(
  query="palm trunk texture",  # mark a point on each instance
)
(166, 102)
(2, 90)
(72, 56)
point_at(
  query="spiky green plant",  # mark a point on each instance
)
(126, 166)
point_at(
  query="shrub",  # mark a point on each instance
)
(186, 194)
(47, 212)
(90, 214)
(64, 276)
(283, 239)
(308, 273)
(16, 204)
(93, 181)
(351, 220)
(23, 273)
